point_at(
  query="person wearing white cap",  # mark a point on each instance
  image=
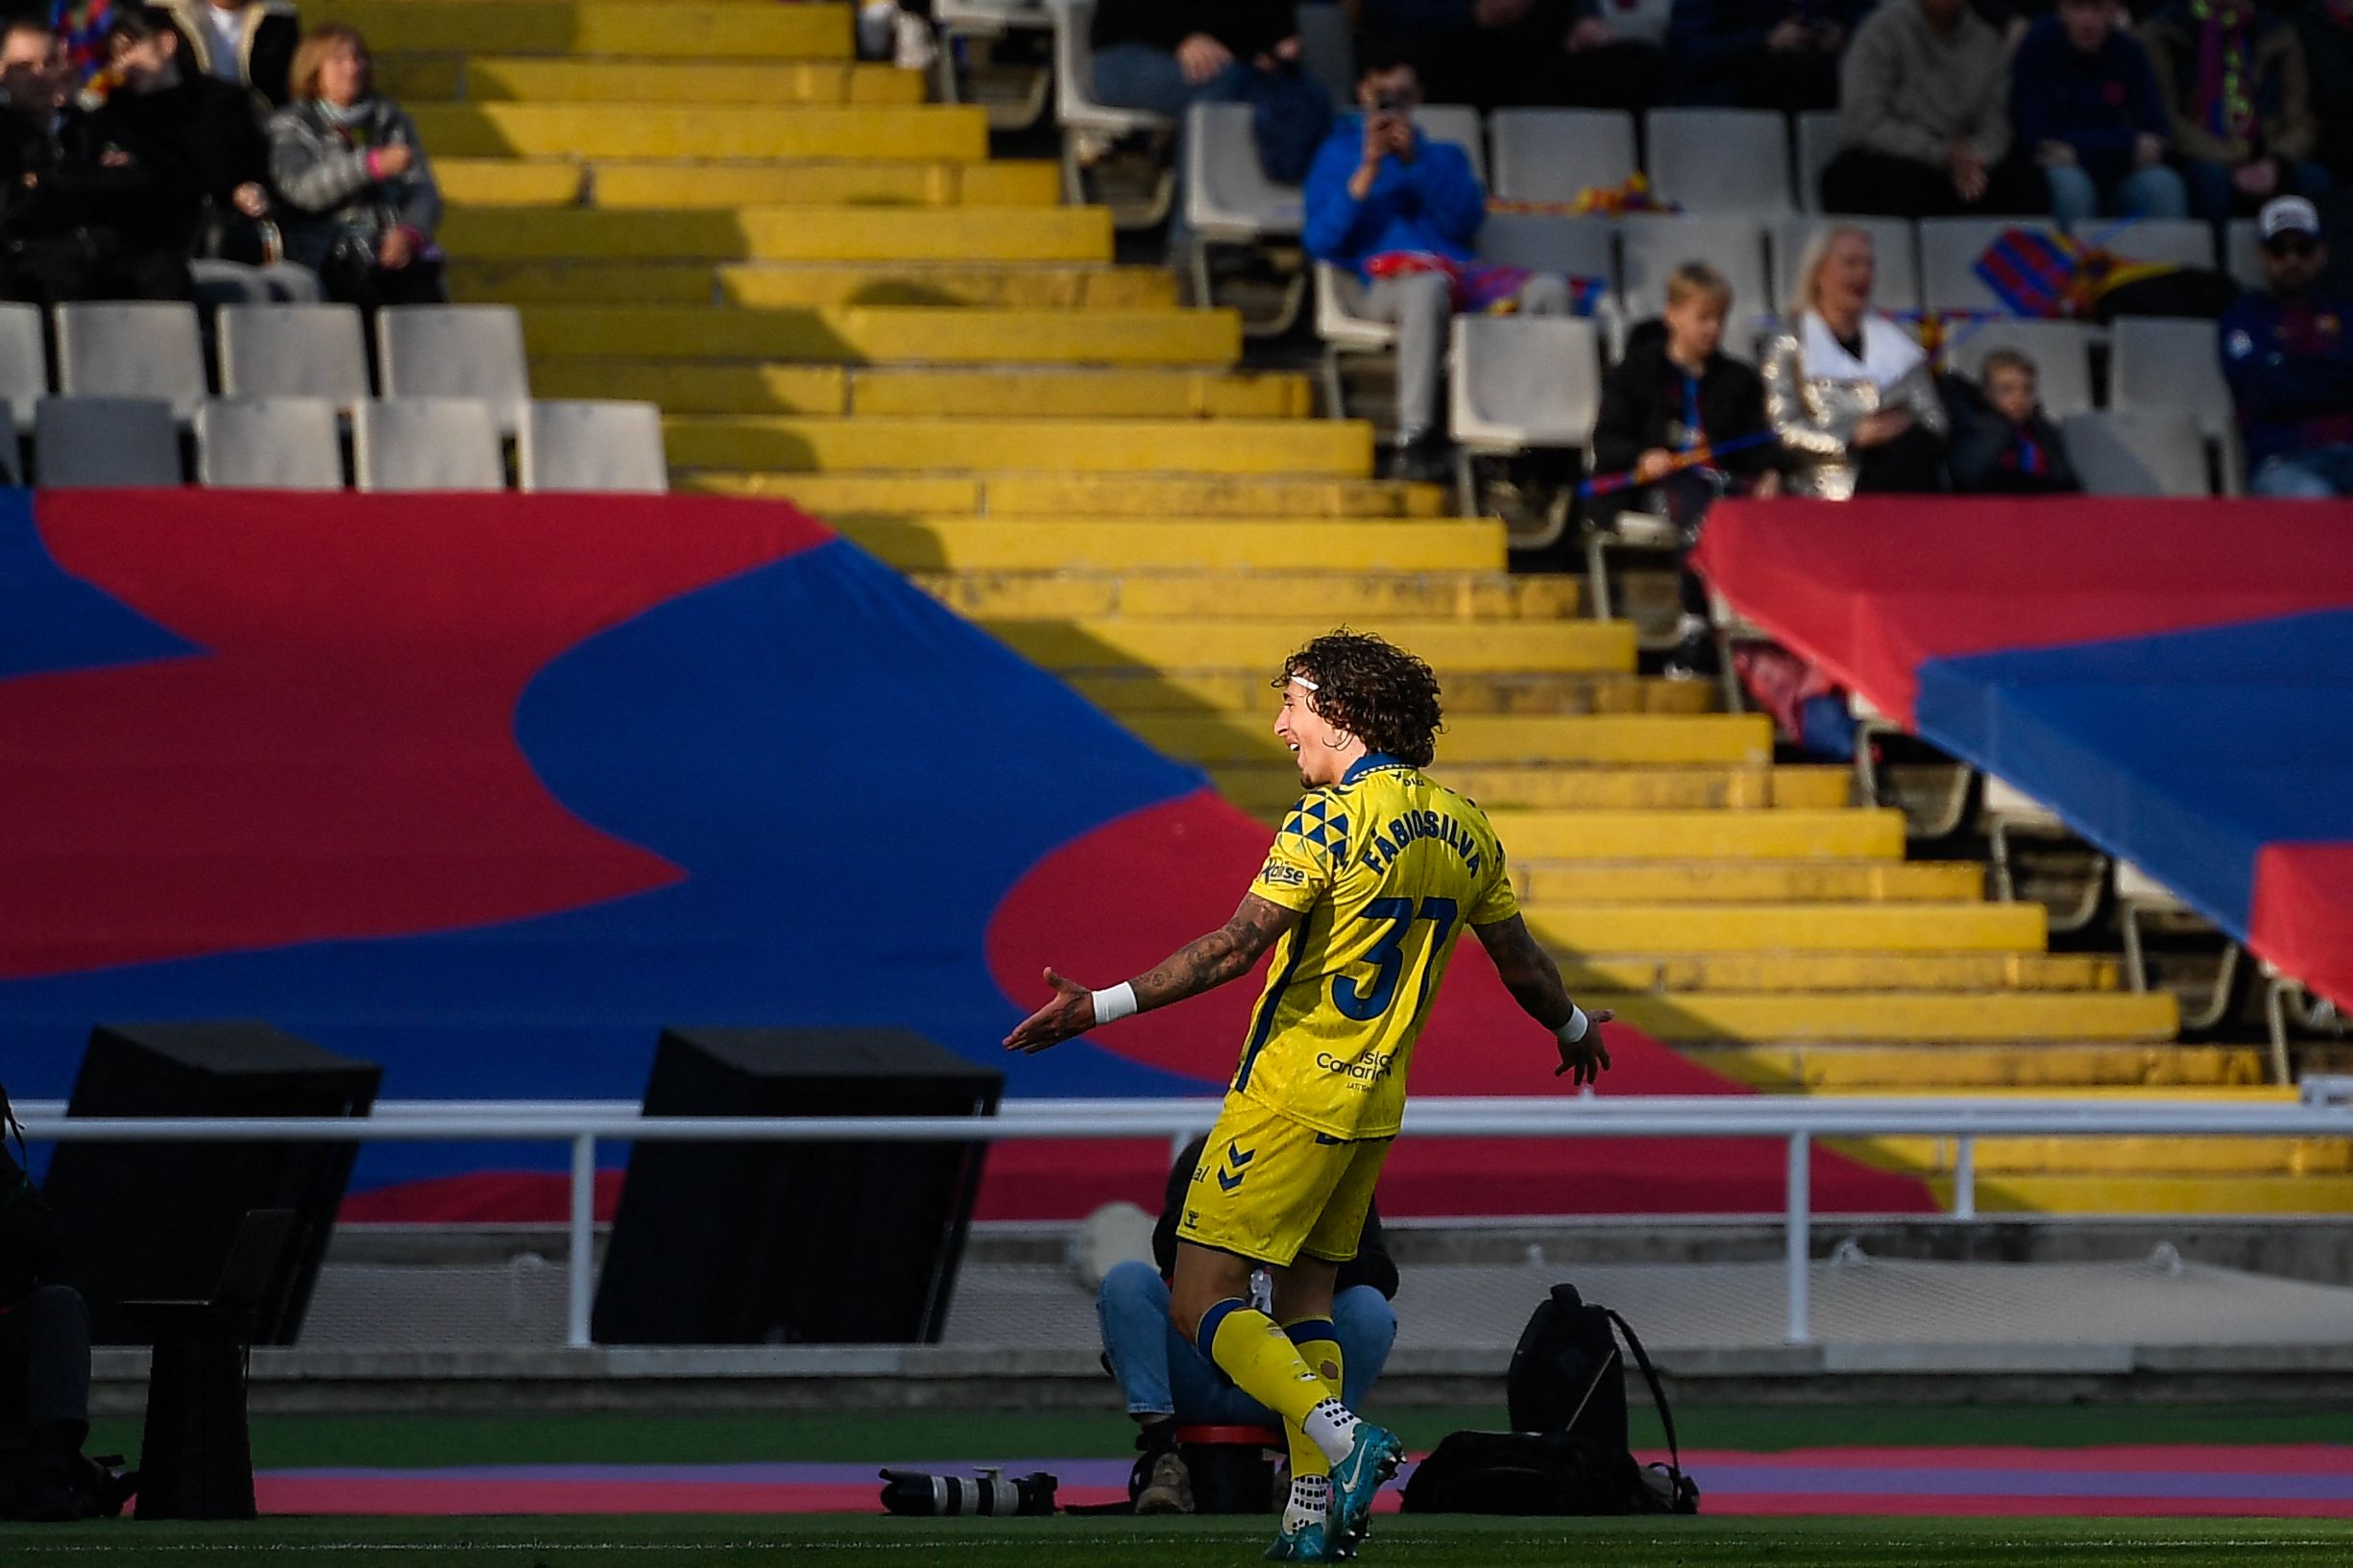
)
(2287, 354)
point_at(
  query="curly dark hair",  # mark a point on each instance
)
(1374, 690)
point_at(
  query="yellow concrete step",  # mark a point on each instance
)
(2003, 1157)
(882, 444)
(664, 131)
(1262, 645)
(1239, 696)
(1539, 838)
(1954, 972)
(694, 387)
(510, 182)
(626, 187)
(898, 236)
(1228, 595)
(1543, 786)
(1083, 544)
(1023, 286)
(1267, 788)
(1896, 1016)
(1600, 880)
(2215, 1194)
(2051, 1068)
(560, 27)
(628, 184)
(1605, 739)
(416, 77)
(1093, 496)
(1775, 928)
(856, 335)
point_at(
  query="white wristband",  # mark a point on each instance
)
(1569, 1033)
(1118, 1002)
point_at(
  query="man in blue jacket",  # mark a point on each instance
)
(1401, 212)
(2085, 100)
(2289, 366)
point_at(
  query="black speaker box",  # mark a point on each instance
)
(802, 1242)
(148, 1221)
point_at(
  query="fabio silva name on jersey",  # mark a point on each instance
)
(1387, 868)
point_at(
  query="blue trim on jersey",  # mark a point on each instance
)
(1205, 1333)
(1310, 1329)
(1366, 764)
(1263, 1026)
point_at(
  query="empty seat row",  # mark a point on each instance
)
(1551, 155)
(397, 443)
(1522, 383)
(156, 350)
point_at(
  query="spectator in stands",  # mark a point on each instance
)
(1400, 210)
(203, 127)
(2288, 355)
(1848, 391)
(86, 213)
(2325, 29)
(81, 27)
(2085, 103)
(245, 43)
(1166, 56)
(45, 1360)
(1924, 126)
(1501, 53)
(1761, 54)
(1673, 394)
(2234, 80)
(1170, 1385)
(362, 204)
(2002, 444)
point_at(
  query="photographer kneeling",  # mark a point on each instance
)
(45, 1362)
(1170, 1385)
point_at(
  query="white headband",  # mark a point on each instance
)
(1302, 680)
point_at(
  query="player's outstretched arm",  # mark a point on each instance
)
(1533, 980)
(1202, 964)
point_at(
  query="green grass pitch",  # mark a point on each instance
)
(836, 1539)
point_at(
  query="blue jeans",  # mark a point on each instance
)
(2212, 197)
(1162, 1374)
(2318, 474)
(2153, 192)
(1138, 75)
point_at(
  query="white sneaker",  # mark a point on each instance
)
(913, 48)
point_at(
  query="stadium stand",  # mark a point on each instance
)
(835, 296)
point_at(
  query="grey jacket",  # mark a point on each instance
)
(1909, 91)
(322, 173)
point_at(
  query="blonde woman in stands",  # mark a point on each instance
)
(1848, 391)
(361, 204)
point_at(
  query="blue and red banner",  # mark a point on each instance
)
(2174, 677)
(490, 788)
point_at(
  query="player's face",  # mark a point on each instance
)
(1314, 743)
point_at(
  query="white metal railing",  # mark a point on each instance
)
(1797, 1120)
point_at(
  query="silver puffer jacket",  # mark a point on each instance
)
(1815, 415)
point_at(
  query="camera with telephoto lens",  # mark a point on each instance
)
(1390, 102)
(988, 1493)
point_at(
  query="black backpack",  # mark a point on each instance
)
(1569, 1453)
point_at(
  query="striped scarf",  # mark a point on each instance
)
(82, 29)
(2225, 103)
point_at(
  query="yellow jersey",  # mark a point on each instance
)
(1388, 868)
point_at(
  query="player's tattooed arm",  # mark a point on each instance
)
(1202, 964)
(1208, 962)
(1533, 980)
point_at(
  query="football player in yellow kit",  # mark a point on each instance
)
(1371, 881)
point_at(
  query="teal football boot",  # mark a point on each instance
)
(1370, 1463)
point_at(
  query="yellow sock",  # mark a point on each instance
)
(1313, 1339)
(1260, 1357)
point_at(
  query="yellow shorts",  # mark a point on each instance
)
(1268, 1188)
